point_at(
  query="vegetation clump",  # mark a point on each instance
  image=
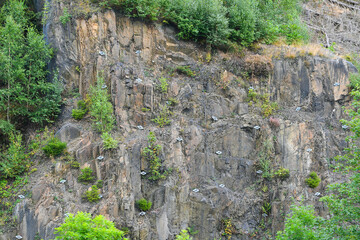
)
(313, 180)
(221, 22)
(185, 70)
(93, 194)
(151, 154)
(163, 85)
(143, 205)
(86, 175)
(79, 113)
(54, 147)
(109, 141)
(163, 119)
(183, 235)
(83, 226)
(282, 173)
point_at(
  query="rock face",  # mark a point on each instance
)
(133, 55)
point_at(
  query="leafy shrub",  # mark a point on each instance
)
(143, 204)
(13, 161)
(75, 165)
(54, 147)
(109, 142)
(163, 119)
(65, 17)
(79, 113)
(282, 173)
(99, 183)
(86, 175)
(82, 226)
(163, 85)
(100, 107)
(185, 70)
(183, 235)
(93, 194)
(266, 208)
(313, 180)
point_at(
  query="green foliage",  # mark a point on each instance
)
(86, 175)
(282, 173)
(100, 107)
(163, 119)
(83, 227)
(183, 235)
(79, 113)
(262, 101)
(301, 224)
(163, 85)
(93, 194)
(172, 102)
(6, 128)
(75, 165)
(313, 180)
(143, 205)
(54, 147)
(99, 183)
(185, 70)
(14, 161)
(109, 142)
(218, 21)
(25, 93)
(65, 17)
(151, 154)
(264, 162)
(266, 208)
(9, 191)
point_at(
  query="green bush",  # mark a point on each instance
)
(99, 183)
(75, 164)
(79, 113)
(109, 142)
(86, 175)
(163, 119)
(163, 85)
(93, 194)
(54, 147)
(65, 17)
(82, 226)
(143, 204)
(100, 107)
(13, 161)
(313, 181)
(282, 173)
(185, 70)
(183, 235)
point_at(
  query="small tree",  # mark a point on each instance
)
(83, 227)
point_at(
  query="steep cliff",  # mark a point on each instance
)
(219, 150)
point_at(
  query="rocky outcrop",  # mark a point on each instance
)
(212, 114)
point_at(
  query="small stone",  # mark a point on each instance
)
(143, 173)
(264, 215)
(221, 185)
(298, 109)
(309, 150)
(138, 52)
(62, 181)
(18, 237)
(317, 194)
(218, 152)
(104, 86)
(102, 53)
(142, 213)
(138, 80)
(214, 118)
(179, 139)
(195, 190)
(66, 215)
(336, 84)
(21, 196)
(259, 172)
(345, 126)
(257, 127)
(100, 158)
(100, 196)
(140, 127)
